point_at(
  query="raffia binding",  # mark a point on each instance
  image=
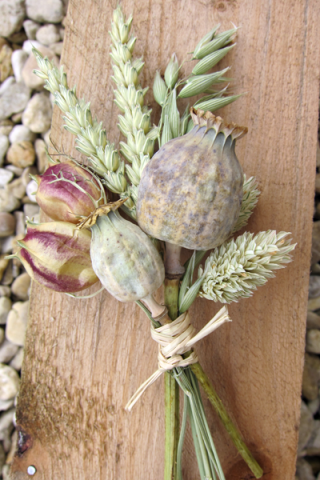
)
(207, 119)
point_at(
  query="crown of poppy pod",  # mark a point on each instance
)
(191, 190)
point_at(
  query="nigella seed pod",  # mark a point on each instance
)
(66, 192)
(57, 255)
(123, 257)
(191, 191)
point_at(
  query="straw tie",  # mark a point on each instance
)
(174, 340)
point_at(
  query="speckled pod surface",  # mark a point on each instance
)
(124, 258)
(191, 191)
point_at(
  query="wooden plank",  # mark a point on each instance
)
(84, 358)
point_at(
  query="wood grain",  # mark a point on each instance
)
(84, 358)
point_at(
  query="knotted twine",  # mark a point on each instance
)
(174, 339)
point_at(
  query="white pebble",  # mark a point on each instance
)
(18, 59)
(37, 115)
(4, 85)
(19, 133)
(31, 28)
(29, 44)
(49, 11)
(5, 177)
(31, 190)
(17, 323)
(9, 384)
(48, 34)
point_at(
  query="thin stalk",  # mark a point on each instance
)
(171, 295)
(226, 420)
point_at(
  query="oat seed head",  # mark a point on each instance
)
(236, 268)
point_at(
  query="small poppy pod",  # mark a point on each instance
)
(123, 256)
(191, 191)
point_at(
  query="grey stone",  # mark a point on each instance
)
(313, 445)
(5, 307)
(5, 291)
(20, 223)
(21, 133)
(8, 202)
(7, 351)
(315, 242)
(17, 323)
(14, 99)
(38, 113)
(6, 84)
(306, 427)
(20, 286)
(5, 127)
(42, 159)
(17, 360)
(314, 286)
(7, 244)
(31, 211)
(304, 470)
(29, 78)
(48, 34)
(12, 14)
(6, 404)
(313, 320)
(50, 11)
(18, 59)
(7, 224)
(16, 170)
(314, 406)
(8, 274)
(57, 48)
(314, 304)
(4, 145)
(311, 377)
(5, 177)
(9, 383)
(31, 28)
(17, 188)
(313, 341)
(21, 154)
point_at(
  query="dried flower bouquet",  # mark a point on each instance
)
(192, 193)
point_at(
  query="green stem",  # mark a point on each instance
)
(226, 420)
(171, 294)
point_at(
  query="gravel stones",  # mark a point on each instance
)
(42, 159)
(9, 383)
(17, 323)
(12, 14)
(48, 34)
(314, 286)
(7, 224)
(37, 115)
(5, 177)
(21, 154)
(50, 11)
(14, 99)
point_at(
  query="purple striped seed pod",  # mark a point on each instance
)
(64, 192)
(57, 255)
